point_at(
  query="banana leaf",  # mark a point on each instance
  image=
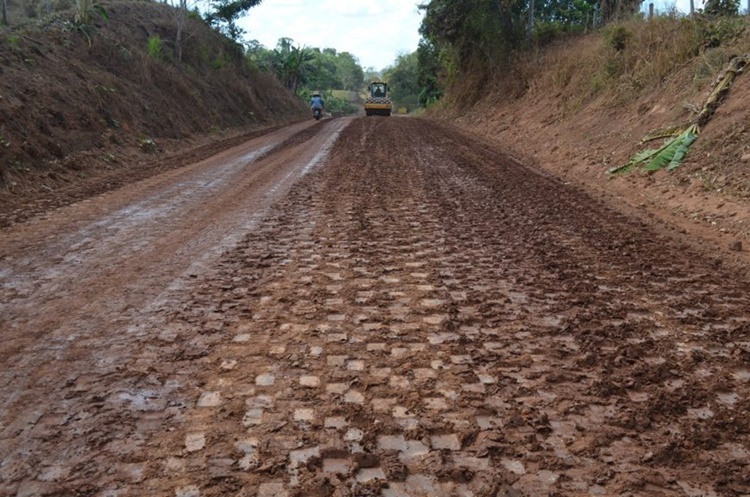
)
(689, 136)
(671, 154)
(665, 155)
(641, 156)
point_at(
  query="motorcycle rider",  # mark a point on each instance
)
(317, 102)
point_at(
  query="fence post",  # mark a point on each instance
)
(651, 10)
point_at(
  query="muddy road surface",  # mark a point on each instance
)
(366, 307)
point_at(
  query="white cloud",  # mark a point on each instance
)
(375, 32)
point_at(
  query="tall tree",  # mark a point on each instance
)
(225, 13)
(403, 78)
(291, 63)
(349, 72)
(722, 7)
(182, 11)
(429, 73)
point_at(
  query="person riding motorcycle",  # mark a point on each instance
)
(317, 102)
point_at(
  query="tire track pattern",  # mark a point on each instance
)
(424, 316)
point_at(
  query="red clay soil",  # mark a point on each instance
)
(707, 198)
(79, 102)
(417, 314)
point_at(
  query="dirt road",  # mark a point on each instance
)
(366, 307)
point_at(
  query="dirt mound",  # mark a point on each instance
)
(76, 101)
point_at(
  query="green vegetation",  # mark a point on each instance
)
(403, 78)
(304, 70)
(85, 10)
(155, 47)
(337, 102)
(675, 149)
(468, 47)
(224, 15)
(308, 68)
(671, 154)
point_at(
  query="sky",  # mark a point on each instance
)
(376, 32)
(681, 5)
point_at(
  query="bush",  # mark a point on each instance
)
(722, 7)
(712, 32)
(617, 37)
(547, 32)
(334, 105)
(155, 45)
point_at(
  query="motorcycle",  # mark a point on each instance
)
(317, 114)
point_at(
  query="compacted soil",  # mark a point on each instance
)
(366, 307)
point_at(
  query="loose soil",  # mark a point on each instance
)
(367, 307)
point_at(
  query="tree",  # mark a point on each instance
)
(612, 10)
(259, 55)
(429, 71)
(291, 63)
(225, 14)
(403, 78)
(349, 72)
(372, 74)
(322, 70)
(182, 12)
(722, 7)
(474, 31)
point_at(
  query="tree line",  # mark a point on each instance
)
(484, 39)
(481, 38)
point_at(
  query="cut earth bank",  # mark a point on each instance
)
(706, 201)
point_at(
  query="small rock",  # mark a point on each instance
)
(195, 441)
(736, 246)
(745, 158)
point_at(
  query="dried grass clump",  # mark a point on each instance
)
(625, 59)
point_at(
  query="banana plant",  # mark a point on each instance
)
(672, 153)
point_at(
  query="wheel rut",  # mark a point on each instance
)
(419, 315)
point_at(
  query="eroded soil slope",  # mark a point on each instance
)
(420, 315)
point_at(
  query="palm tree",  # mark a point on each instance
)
(291, 63)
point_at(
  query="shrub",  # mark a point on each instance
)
(155, 45)
(722, 7)
(617, 37)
